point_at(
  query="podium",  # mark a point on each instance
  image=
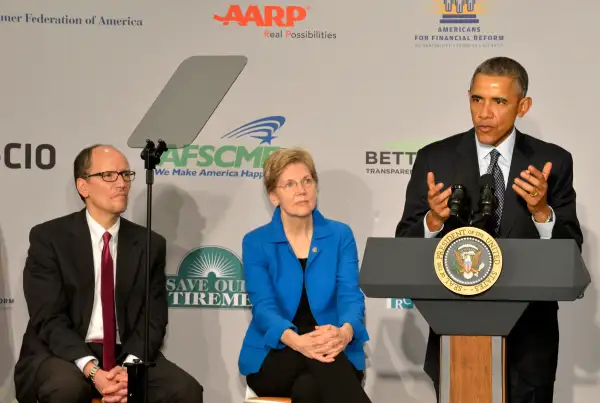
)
(473, 327)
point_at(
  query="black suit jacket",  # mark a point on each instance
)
(532, 346)
(58, 283)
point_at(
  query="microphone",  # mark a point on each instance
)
(486, 195)
(455, 201)
(481, 217)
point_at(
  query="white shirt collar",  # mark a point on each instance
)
(97, 231)
(505, 148)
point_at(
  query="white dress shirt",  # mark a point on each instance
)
(484, 158)
(96, 329)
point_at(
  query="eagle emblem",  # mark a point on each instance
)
(467, 261)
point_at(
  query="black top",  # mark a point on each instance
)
(304, 319)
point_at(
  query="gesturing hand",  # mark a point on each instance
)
(438, 203)
(533, 188)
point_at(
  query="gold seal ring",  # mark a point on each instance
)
(534, 193)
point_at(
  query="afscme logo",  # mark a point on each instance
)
(267, 17)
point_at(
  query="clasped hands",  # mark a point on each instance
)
(325, 342)
(112, 385)
(532, 186)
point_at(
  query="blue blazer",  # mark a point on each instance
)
(274, 285)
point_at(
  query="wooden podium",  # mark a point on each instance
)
(472, 365)
(472, 328)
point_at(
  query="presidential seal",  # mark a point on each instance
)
(468, 261)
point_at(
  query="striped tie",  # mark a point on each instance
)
(496, 172)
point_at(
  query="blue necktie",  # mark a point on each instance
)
(496, 172)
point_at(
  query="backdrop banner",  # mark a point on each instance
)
(361, 86)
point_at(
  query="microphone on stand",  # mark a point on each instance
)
(486, 195)
(457, 204)
(486, 203)
(455, 201)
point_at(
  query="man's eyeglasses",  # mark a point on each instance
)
(112, 176)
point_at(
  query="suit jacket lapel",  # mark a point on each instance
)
(129, 253)
(467, 167)
(81, 243)
(521, 159)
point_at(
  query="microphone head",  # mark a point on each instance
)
(486, 180)
(458, 191)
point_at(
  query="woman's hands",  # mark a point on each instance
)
(322, 344)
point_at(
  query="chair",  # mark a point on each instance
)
(251, 397)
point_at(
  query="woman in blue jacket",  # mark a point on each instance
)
(305, 339)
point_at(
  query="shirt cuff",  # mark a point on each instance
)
(82, 362)
(545, 229)
(130, 358)
(429, 234)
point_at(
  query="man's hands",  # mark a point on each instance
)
(439, 211)
(324, 343)
(112, 385)
(115, 390)
(533, 188)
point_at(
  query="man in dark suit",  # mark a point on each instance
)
(84, 286)
(535, 199)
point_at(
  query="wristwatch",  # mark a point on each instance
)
(93, 373)
(550, 217)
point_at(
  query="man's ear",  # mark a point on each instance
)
(524, 106)
(83, 187)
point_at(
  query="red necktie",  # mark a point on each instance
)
(107, 292)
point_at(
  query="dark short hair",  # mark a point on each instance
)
(82, 164)
(504, 67)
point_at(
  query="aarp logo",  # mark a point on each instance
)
(263, 16)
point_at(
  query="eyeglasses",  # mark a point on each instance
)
(290, 185)
(112, 176)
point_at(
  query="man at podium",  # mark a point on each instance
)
(534, 198)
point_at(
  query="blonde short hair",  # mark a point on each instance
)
(279, 160)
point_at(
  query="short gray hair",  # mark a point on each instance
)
(504, 67)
